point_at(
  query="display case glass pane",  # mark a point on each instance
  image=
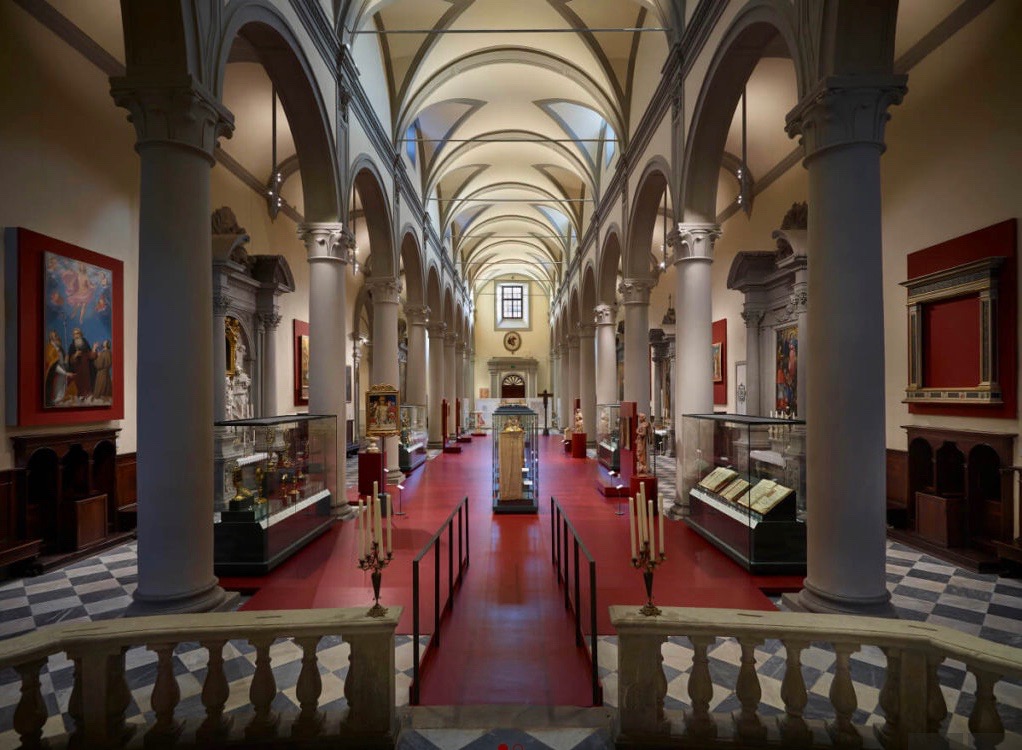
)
(744, 478)
(515, 459)
(608, 434)
(414, 437)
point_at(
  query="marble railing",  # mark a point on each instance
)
(911, 698)
(100, 695)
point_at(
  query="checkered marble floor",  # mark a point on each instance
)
(923, 588)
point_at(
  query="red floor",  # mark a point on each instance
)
(508, 639)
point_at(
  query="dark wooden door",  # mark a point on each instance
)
(512, 386)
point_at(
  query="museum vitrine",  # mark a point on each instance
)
(279, 475)
(608, 432)
(515, 459)
(414, 437)
(745, 481)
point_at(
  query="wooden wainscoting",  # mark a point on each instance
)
(13, 544)
(898, 511)
(127, 491)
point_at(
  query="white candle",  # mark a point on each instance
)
(662, 550)
(631, 525)
(378, 527)
(652, 539)
(640, 517)
(390, 530)
(358, 531)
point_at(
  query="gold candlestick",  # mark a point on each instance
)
(647, 562)
(375, 562)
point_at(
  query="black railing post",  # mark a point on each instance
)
(436, 593)
(567, 567)
(450, 562)
(597, 691)
(414, 696)
(578, 602)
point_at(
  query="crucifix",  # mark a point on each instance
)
(546, 396)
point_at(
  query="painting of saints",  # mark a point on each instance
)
(787, 369)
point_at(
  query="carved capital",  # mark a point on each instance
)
(461, 347)
(418, 315)
(753, 317)
(270, 320)
(693, 242)
(450, 339)
(572, 339)
(845, 111)
(177, 113)
(635, 291)
(436, 329)
(385, 290)
(605, 315)
(325, 241)
(221, 303)
(798, 302)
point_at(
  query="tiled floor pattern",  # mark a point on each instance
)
(923, 589)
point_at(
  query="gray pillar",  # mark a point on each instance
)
(270, 324)
(417, 370)
(587, 377)
(176, 128)
(450, 378)
(606, 354)
(386, 295)
(221, 303)
(573, 369)
(753, 363)
(635, 297)
(436, 381)
(842, 126)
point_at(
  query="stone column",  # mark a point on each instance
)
(660, 347)
(606, 354)
(416, 386)
(357, 342)
(693, 388)
(636, 301)
(573, 370)
(436, 380)
(450, 377)
(800, 301)
(842, 127)
(270, 323)
(386, 296)
(327, 245)
(177, 126)
(753, 364)
(555, 386)
(587, 377)
(221, 303)
(459, 377)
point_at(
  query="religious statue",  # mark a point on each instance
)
(604, 428)
(579, 423)
(641, 453)
(239, 386)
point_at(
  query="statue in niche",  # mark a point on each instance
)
(641, 439)
(239, 386)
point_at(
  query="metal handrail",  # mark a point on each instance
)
(461, 511)
(559, 528)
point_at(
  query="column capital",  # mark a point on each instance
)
(461, 347)
(384, 290)
(798, 302)
(221, 303)
(753, 316)
(844, 111)
(586, 330)
(270, 320)
(172, 111)
(417, 315)
(450, 338)
(436, 328)
(693, 241)
(635, 291)
(605, 315)
(326, 241)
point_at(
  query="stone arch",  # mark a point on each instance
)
(573, 310)
(448, 308)
(588, 299)
(284, 60)
(653, 181)
(411, 260)
(434, 296)
(610, 261)
(368, 181)
(756, 26)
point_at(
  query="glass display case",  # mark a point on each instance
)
(608, 434)
(745, 482)
(515, 459)
(414, 437)
(275, 480)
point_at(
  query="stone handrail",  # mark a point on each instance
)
(911, 698)
(100, 695)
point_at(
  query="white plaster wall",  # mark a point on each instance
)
(489, 342)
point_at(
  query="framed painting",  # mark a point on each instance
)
(301, 364)
(718, 367)
(382, 417)
(787, 369)
(718, 337)
(64, 332)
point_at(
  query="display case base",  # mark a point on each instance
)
(610, 486)
(464, 438)
(525, 505)
(409, 461)
(451, 446)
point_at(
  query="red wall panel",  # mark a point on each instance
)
(951, 343)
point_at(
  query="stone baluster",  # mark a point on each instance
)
(843, 698)
(30, 715)
(984, 721)
(794, 730)
(936, 706)
(748, 691)
(310, 721)
(118, 698)
(263, 691)
(642, 685)
(215, 692)
(370, 687)
(698, 723)
(890, 698)
(98, 711)
(165, 697)
(75, 708)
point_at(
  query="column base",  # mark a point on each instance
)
(808, 600)
(395, 476)
(210, 599)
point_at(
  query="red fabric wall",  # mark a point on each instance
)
(957, 321)
(719, 336)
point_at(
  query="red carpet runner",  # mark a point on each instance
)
(509, 639)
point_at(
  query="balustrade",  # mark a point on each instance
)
(911, 697)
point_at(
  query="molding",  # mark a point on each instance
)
(77, 39)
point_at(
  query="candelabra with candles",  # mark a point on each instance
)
(642, 523)
(369, 533)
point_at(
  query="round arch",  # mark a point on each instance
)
(654, 180)
(368, 182)
(609, 264)
(434, 298)
(411, 260)
(588, 299)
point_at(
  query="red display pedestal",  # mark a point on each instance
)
(567, 444)
(578, 445)
(651, 488)
(372, 467)
(610, 486)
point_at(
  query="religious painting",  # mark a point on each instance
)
(64, 334)
(301, 362)
(382, 411)
(484, 393)
(718, 367)
(787, 369)
(718, 339)
(347, 383)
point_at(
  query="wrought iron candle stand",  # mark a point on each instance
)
(376, 563)
(647, 563)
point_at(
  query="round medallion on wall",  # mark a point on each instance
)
(512, 341)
